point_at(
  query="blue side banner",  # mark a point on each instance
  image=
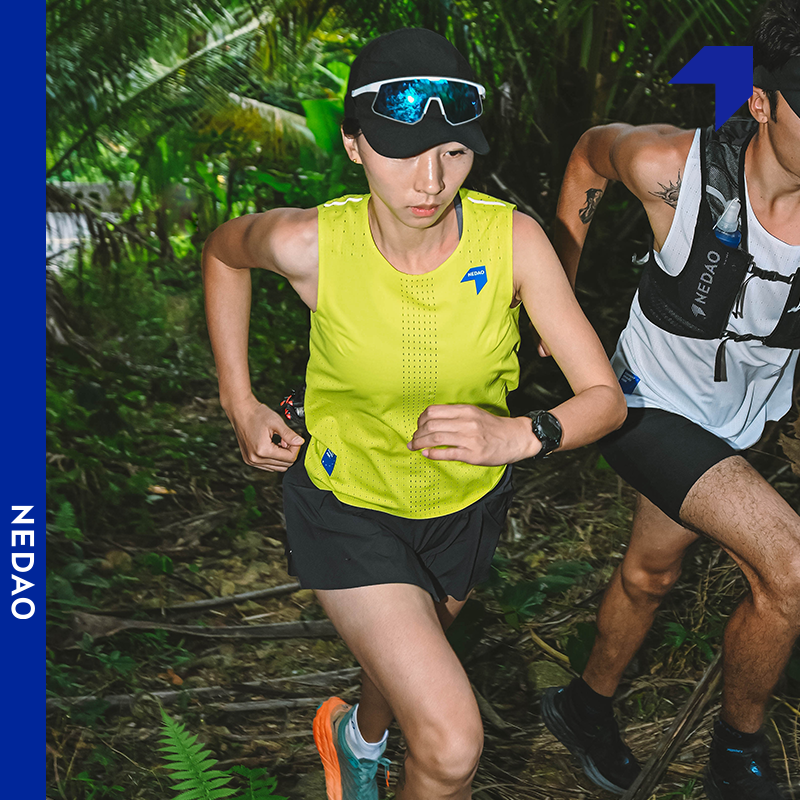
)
(23, 336)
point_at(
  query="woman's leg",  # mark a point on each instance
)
(396, 634)
(374, 713)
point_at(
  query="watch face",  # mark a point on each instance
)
(551, 429)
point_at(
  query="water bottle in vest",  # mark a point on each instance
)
(727, 227)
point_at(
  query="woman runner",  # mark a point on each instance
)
(395, 505)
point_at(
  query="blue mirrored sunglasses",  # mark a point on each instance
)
(406, 100)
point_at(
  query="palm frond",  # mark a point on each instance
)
(154, 88)
(282, 135)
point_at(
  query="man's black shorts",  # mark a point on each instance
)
(332, 545)
(662, 455)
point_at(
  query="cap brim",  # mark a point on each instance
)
(397, 140)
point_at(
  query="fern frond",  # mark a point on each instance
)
(261, 786)
(192, 764)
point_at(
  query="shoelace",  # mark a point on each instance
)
(367, 767)
(385, 763)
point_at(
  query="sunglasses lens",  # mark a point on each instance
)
(461, 101)
(403, 101)
(406, 101)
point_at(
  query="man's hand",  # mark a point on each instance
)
(255, 426)
(470, 434)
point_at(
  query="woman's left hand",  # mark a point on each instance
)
(470, 434)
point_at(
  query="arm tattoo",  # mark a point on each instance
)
(669, 194)
(592, 199)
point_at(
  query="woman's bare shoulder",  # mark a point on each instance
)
(282, 240)
(285, 241)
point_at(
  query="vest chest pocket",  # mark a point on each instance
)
(698, 301)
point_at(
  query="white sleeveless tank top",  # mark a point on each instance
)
(676, 373)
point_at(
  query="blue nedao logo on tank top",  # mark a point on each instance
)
(477, 274)
(329, 461)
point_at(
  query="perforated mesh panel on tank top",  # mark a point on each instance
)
(420, 361)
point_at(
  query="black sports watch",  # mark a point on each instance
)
(547, 430)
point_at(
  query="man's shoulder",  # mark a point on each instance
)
(646, 155)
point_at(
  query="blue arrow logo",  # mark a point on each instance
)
(730, 69)
(477, 274)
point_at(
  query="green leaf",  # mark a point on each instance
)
(522, 598)
(158, 564)
(275, 183)
(675, 634)
(323, 118)
(66, 523)
(260, 785)
(467, 628)
(198, 780)
(602, 464)
(553, 584)
(579, 646)
(570, 569)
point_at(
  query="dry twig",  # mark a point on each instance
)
(658, 762)
(97, 626)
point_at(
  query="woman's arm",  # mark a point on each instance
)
(598, 406)
(284, 241)
(467, 433)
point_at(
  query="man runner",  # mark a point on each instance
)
(708, 356)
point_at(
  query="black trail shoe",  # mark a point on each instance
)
(736, 774)
(594, 741)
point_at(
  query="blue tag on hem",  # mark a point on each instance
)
(628, 381)
(329, 461)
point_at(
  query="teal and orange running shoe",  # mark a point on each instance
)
(346, 777)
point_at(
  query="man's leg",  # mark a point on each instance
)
(732, 504)
(395, 634)
(736, 507)
(581, 716)
(649, 570)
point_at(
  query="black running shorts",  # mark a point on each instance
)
(662, 455)
(332, 545)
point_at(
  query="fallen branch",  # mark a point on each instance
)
(671, 741)
(271, 705)
(97, 626)
(321, 678)
(171, 695)
(215, 602)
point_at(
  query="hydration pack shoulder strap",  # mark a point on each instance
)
(698, 300)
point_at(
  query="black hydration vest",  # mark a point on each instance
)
(698, 301)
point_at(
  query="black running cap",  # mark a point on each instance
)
(786, 80)
(406, 53)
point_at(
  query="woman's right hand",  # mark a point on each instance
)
(255, 426)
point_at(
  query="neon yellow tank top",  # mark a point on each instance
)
(385, 345)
